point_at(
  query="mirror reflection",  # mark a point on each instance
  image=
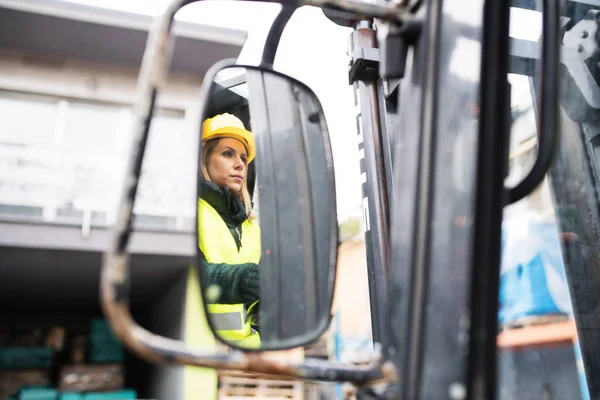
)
(266, 252)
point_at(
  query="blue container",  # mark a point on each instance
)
(70, 396)
(37, 394)
(127, 394)
(533, 278)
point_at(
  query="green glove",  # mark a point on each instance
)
(238, 283)
(249, 284)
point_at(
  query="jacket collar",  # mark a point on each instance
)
(229, 206)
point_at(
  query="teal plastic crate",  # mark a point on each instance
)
(103, 338)
(37, 394)
(107, 358)
(127, 394)
(70, 396)
(105, 347)
(100, 326)
(26, 357)
(106, 354)
(101, 331)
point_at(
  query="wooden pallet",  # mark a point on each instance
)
(539, 336)
(240, 386)
(535, 320)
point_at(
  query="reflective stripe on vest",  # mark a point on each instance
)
(219, 247)
(230, 321)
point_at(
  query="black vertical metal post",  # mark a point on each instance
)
(364, 77)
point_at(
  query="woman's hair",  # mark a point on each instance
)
(208, 149)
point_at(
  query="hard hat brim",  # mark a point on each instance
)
(243, 135)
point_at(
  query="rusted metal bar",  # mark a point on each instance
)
(115, 274)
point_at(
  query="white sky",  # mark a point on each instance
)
(312, 49)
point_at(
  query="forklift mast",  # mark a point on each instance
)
(574, 176)
(375, 102)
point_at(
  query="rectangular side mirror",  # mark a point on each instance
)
(267, 223)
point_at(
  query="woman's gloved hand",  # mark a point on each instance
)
(237, 283)
(249, 283)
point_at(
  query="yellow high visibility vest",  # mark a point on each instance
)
(219, 247)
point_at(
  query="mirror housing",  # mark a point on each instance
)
(291, 178)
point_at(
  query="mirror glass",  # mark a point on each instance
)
(267, 224)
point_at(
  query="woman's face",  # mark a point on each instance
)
(227, 165)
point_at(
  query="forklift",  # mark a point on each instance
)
(434, 131)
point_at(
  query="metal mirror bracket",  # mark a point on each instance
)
(274, 36)
(115, 274)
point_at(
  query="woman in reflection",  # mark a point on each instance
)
(229, 236)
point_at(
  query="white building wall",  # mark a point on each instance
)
(69, 151)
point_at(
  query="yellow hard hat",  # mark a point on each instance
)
(228, 125)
